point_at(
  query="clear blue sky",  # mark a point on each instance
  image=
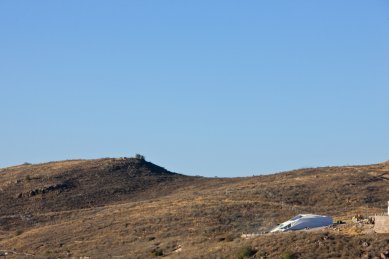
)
(214, 88)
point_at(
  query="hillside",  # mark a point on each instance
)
(131, 208)
(78, 184)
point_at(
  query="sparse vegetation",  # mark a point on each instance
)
(245, 252)
(47, 253)
(230, 238)
(288, 255)
(127, 208)
(157, 252)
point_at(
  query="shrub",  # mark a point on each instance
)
(288, 255)
(139, 156)
(157, 252)
(245, 252)
(27, 177)
(18, 232)
(230, 238)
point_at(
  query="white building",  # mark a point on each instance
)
(303, 221)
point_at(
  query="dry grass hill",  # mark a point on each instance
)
(131, 208)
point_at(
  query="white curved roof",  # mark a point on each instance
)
(303, 221)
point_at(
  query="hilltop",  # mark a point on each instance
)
(78, 184)
(129, 207)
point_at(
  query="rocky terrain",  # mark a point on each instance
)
(131, 208)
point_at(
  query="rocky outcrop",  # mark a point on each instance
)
(68, 184)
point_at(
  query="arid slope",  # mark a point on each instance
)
(134, 209)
